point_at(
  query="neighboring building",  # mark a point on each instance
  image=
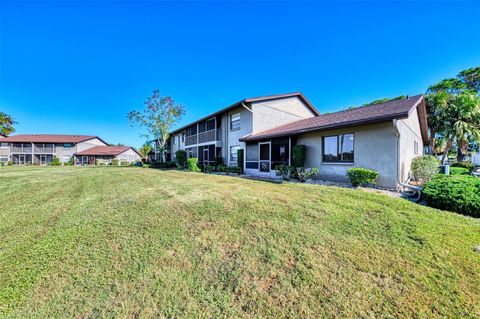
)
(105, 155)
(384, 137)
(42, 148)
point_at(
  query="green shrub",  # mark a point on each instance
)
(55, 161)
(302, 173)
(459, 171)
(70, 162)
(458, 193)
(359, 176)
(181, 158)
(240, 159)
(208, 169)
(115, 162)
(466, 165)
(9, 163)
(192, 165)
(285, 171)
(124, 163)
(229, 169)
(299, 155)
(424, 168)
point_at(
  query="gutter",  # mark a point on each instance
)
(415, 189)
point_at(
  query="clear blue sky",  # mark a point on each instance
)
(77, 67)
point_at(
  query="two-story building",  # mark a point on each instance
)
(384, 137)
(40, 149)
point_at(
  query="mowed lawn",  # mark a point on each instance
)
(144, 243)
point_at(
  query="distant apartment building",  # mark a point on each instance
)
(40, 149)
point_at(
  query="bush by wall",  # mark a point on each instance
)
(459, 171)
(466, 165)
(240, 160)
(359, 176)
(115, 162)
(55, 161)
(298, 153)
(285, 171)
(302, 173)
(424, 168)
(181, 156)
(458, 193)
(192, 165)
(163, 165)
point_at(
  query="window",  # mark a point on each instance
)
(338, 148)
(415, 147)
(210, 124)
(3, 158)
(3, 145)
(233, 153)
(183, 137)
(235, 121)
(174, 140)
(66, 147)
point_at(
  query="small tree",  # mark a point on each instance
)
(6, 124)
(159, 115)
(145, 150)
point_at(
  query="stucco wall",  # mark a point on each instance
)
(179, 145)
(374, 148)
(61, 152)
(129, 156)
(231, 137)
(273, 113)
(409, 134)
(89, 144)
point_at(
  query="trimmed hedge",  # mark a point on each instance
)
(459, 171)
(466, 165)
(359, 176)
(457, 193)
(55, 161)
(240, 160)
(163, 165)
(181, 158)
(298, 153)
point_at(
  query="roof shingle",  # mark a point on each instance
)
(395, 109)
(47, 138)
(105, 150)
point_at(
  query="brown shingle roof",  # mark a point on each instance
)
(48, 138)
(381, 112)
(105, 150)
(254, 99)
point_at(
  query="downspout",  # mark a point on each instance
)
(399, 181)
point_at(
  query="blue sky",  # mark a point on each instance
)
(77, 67)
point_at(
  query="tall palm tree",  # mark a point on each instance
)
(436, 104)
(6, 124)
(461, 118)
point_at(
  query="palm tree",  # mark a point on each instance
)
(461, 118)
(6, 124)
(436, 104)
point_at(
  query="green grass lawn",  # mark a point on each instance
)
(136, 242)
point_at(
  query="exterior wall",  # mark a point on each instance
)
(273, 113)
(129, 156)
(409, 134)
(231, 137)
(179, 145)
(89, 144)
(5, 151)
(374, 148)
(62, 152)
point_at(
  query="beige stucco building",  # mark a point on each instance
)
(384, 137)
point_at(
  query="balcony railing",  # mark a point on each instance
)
(43, 149)
(204, 137)
(22, 149)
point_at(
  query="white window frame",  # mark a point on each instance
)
(236, 153)
(239, 121)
